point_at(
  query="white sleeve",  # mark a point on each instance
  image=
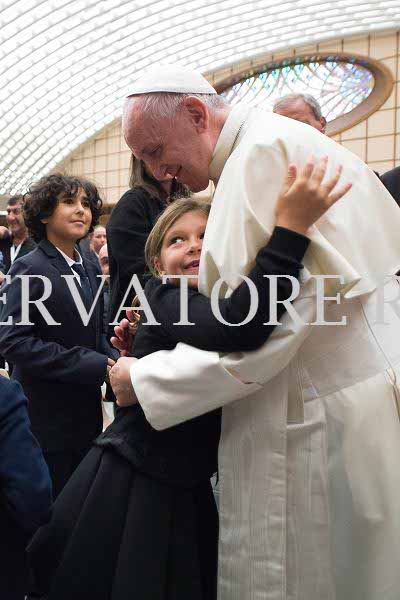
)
(176, 385)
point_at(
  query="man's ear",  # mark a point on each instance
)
(198, 113)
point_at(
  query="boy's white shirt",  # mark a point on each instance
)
(71, 262)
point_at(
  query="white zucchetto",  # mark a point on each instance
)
(173, 79)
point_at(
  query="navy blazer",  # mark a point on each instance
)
(25, 488)
(61, 367)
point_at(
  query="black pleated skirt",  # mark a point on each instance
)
(118, 534)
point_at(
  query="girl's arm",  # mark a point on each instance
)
(281, 256)
(303, 199)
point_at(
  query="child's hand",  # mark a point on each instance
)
(303, 198)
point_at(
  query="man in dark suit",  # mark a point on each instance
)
(14, 241)
(391, 180)
(60, 361)
(25, 489)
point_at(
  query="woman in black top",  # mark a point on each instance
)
(129, 225)
(138, 518)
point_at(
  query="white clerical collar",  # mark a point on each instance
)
(227, 140)
(70, 260)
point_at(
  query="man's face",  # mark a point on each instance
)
(103, 259)
(99, 238)
(15, 220)
(300, 111)
(181, 147)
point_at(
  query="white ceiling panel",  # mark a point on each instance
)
(66, 65)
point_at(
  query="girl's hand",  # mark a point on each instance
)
(123, 338)
(303, 198)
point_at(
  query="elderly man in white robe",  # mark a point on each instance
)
(308, 459)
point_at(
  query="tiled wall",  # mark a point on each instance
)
(376, 140)
(104, 160)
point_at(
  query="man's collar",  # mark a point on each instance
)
(227, 140)
(19, 241)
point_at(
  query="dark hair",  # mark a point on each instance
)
(14, 200)
(139, 177)
(43, 197)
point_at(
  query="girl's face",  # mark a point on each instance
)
(181, 248)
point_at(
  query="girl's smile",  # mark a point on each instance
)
(181, 248)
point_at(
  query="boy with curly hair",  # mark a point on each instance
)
(60, 361)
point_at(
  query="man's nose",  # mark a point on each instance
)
(160, 172)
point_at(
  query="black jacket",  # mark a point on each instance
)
(186, 454)
(391, 181)
(61, 367)
(5, 248)
(130, 223)
(25, 488)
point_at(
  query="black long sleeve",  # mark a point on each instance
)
(281, 256)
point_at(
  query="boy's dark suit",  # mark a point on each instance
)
(60, 367)
(25, 489)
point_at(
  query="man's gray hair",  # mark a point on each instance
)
(166, 104)
(286, 101)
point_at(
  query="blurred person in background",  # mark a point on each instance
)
(14, 242)
(14, 239)
(130, 223)
(301, 107)
(105, 269)
(98, 239)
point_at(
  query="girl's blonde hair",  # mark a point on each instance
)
(165, 221)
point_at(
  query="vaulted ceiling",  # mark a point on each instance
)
(66, 65)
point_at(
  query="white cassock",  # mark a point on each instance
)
(310, 446)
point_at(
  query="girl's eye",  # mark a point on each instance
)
(86, 203)
(175, 240)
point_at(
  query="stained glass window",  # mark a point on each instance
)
(338, 86)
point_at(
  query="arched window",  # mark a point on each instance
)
(348, 88)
